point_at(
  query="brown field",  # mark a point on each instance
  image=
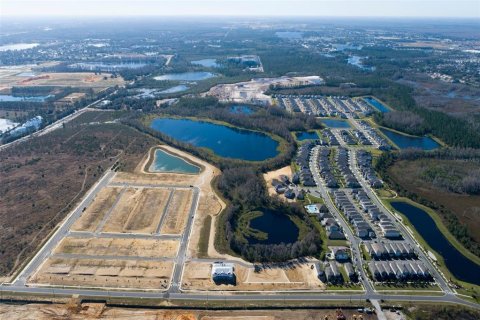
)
(271, 175)
(466, 207)
(138, 210)
(148, 212)
(74, 311)
(92, 216)
(177, 212)
(151, 248)
(105, 273)
(163, 178)
(61, 79)
(301, 276)
(42, 180)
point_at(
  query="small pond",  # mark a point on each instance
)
(10, 98)
(185, 76)
(460, 266)
(209, 63)
(335, 123)
(377, 104)
(166, 162)
(175, 89)
(307, 135)
(223, 140)
(239, 109)
(405, 142)
(278, 226)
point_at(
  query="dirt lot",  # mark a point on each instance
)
(119, 247)
(197, 276)
(177, 212)
(92, 216)
(61, 79)
(100, 311)
(43, 179)
(105, 273)
(137, 211)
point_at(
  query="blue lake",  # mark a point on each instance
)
(377, 104)
(334, 123)
(166, 162)
(223, 140)
(307, 135)
(278, 226)
(175, 89)
(10, 98)
(239, 109)
(209, 63)
(405, 142)
(186, 76)
(460, 266)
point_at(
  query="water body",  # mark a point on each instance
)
(186, 76)
(278, 226)
(18, 46)
(460, 266)
(307, 135)
(223, 140)
(239, 109)
(166, 162)
(357, 62)
(10, 98)
(175, 89)
(334, 123)
(209, 63)
(289, 34)
(405, 142)
(377, 104)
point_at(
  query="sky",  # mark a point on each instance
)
(321, 8)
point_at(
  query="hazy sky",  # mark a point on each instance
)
(363, 8)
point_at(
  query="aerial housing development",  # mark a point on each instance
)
(239, 169)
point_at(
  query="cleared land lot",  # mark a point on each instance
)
(145, 248)
(137, 211)
(177, 212)
(96, 212)
(197, 276)
(42, 180)
(105, 273)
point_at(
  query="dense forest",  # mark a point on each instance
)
(241, 182)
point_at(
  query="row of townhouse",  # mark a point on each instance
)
(362, 139)
(362, 228)
(381, 141)
(344, 167)
(303, 161)
(325, 169)
(399, 271)
(364, 163)
(332, 140)
(390, 250)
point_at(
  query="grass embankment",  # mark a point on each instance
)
(471, 288)
(204, 237)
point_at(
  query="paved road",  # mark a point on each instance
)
(372, 195)
(323, 190)
(54, 126)
(62, 231)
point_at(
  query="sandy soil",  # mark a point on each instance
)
(119, 247)
(177, 212)
(269, 176)
(105, 273)
(62, 79)
(197, 276)
(74, 311)
(92, 216)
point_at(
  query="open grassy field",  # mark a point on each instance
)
(43, 179)
(105, 273)
(410, 175)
